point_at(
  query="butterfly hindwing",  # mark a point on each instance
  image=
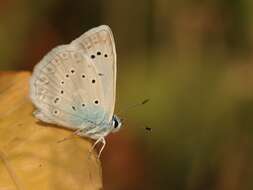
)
(67, 90)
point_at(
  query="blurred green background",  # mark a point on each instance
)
(192, 58)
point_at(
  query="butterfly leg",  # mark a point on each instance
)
(97, 141)
(94, 145)
(102, 148)
(101, 139)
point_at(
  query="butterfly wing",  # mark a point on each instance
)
(98, 43)
(67, 90)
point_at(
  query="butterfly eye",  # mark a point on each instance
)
(96, 101)
(106, 55)
(92, 56)
(93, 81)
(115, 123)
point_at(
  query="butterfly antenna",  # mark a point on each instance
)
(149, 129)
(134, 106)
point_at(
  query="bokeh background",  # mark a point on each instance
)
(192, 58)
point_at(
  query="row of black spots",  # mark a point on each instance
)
(92, 81)
(56, 100)
(72, 71)
(74, 108)
(98, 54)
(83, 105)
(56, 112)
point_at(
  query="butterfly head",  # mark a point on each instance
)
(116, 123)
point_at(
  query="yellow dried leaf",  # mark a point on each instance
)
(30, 155)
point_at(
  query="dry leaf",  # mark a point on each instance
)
(30, 155)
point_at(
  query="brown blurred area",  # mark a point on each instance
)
(192, 58)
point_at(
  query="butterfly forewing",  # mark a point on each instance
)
(98, 44)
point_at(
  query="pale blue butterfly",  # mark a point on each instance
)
(74, 85)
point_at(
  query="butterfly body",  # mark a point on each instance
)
(98, 130)
(74, 85)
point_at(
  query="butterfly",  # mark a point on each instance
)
(74, 86)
